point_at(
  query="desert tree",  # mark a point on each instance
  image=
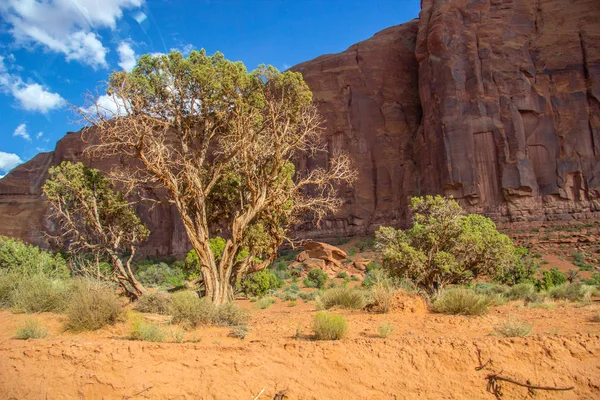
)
(221, 142)
(444, 246)
(95, 221)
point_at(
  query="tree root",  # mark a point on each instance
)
(495, 387)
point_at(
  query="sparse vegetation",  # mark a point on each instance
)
(461, 301)
(147, 332)
(188, 308)
(328, 326)
(514, 328)
(240, 331)
(381, 298)
(39, 293)
(92, 305)
(20, 259)
(265, 302)
(572, 292)
(31, 329)
(343, 297)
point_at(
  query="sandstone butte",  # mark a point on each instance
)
(495, 102)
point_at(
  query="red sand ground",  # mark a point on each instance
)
(429, 356)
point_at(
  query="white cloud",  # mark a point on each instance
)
(66, 26)
(39, 135)
(32, 96)
(8, 161)
(21, 131)
(127, 59)
(107, 106)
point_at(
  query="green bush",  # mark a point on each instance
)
(26, 260)
(31, 329)
(259, 283)
(522, 269)
(142, 330)
(343, 297)
(514, 328)
(316, 278)
(382, 297)
(38, 293)
(309, 296)
(443, 246)
(8, 283)
(461, 301)
(525, 291)
(366, 244)
(159, 275)
(328, 326)
(552, 277)
(154, 301)
(92, 305)
(188, 308)
(342, 275)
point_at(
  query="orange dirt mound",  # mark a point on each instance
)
(407, 302)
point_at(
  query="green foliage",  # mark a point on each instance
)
(514, 328)
(521, 270)
(328, 326)
(461, 301)
(343, 297)
(159, 275)
(342, 275)
(316, 278)
(92, 305)
(154, 301)
(230, 314)
(147, 332)
(352, 252)
(38, 293)
(385, 330)
(366, 244)
(381, 298)
(552, 277)
(593, 281)
(31, 329)
(265, 302)
(8, 283)
(443, 246)
(19, 258)
(259, 283)
(525, 291)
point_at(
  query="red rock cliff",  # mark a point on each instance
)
(496, 102)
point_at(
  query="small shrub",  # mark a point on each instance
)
(142, 330)
(160, 275)
(354, 278)
(92, 305)
(265, 302)
(328, 326)
(552, 277)
(366, 244)
(38, 293)
(188, 308)
(230, 314)
(316, 278)
(382, 298)
(461, 301)
(259, 283)
(525, 291)
(27, 260)
(572, 292)
(177, 334)
(31, 329)
(352, 252)
(291, 303)
(342, 275)
(309, 296)
(8, 283)
(343, 297)
(386, 329)
(240, 331)
(377, 276)
(154, 301)
(514, 328)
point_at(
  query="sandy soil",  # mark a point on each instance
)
(429, 356)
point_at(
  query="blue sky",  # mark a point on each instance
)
(53, 52)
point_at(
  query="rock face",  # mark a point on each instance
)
(495, 102)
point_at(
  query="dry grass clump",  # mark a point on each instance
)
(92, 305)
(188, 308)
(142, 330)
(154, 301)
(327, 326)
(461, 301)
(514, 328)
(265, 302)
(31, 329)
(572, 292)
(386, 329)
(343, 297)
(382, 298)
(38, 293)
